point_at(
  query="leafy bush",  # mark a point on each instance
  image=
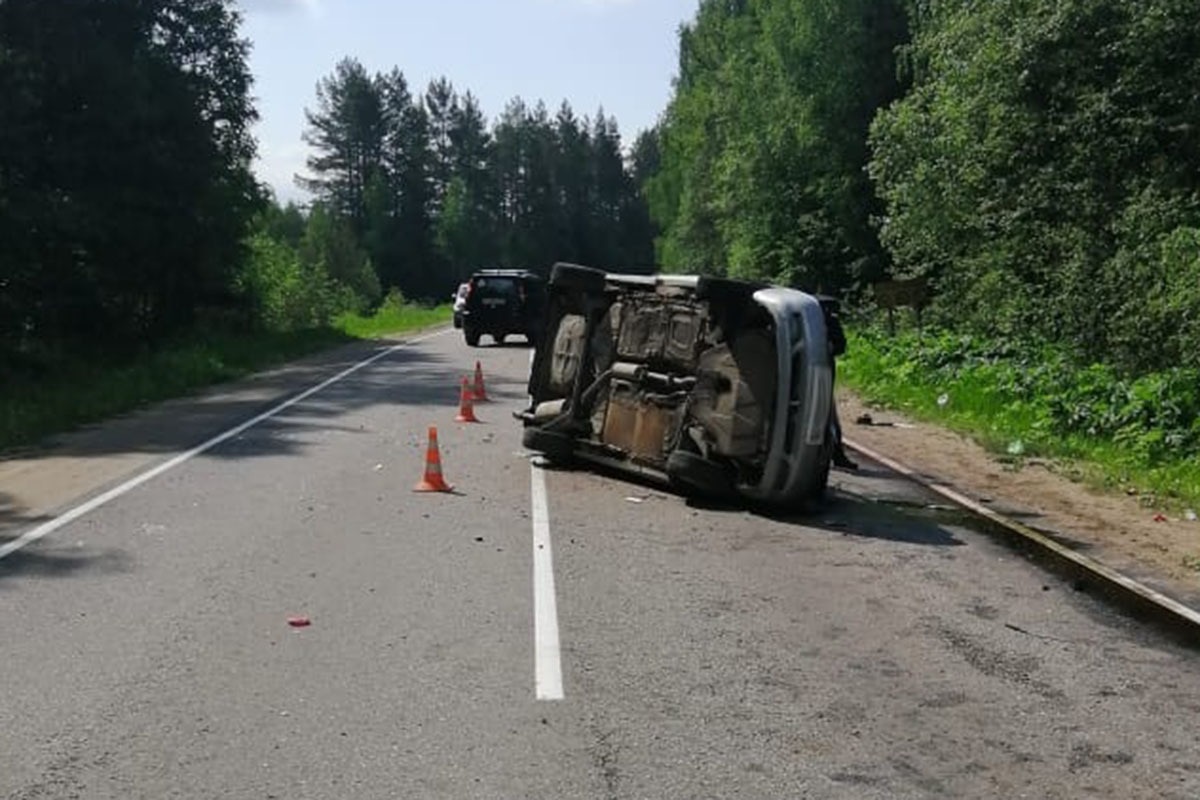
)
(1036, 392)
(283, 292)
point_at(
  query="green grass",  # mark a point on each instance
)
(391, 319)
(1018, 408)
(73, 392)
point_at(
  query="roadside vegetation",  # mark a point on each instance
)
(1037, 401)
(140, 259)
(1035, 161)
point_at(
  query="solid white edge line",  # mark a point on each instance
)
(46, 528)
(547, 659)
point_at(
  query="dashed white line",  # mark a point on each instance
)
(46, 528)
(547, 658)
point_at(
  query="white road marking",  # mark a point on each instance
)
(46, 528)
(548, 672)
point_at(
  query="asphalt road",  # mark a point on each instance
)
(868, 651)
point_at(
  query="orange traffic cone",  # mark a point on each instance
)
(480, 391)
(433, 481)
(466, 408)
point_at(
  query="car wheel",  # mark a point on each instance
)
(558, 447)
(573, 276)
(693, 471)
(472, 337)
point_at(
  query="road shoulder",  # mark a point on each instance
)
(1116, 530)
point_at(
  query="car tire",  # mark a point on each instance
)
(573, 276)
(812, 494)
(820, 481)
(693, 471)
(557, 447)
(472, 337)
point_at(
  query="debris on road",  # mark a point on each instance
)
(1043, 636)
(1160, 517)
(1189, 515)
(299, 621)
(641, 498)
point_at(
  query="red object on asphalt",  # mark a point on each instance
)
(1160, 518)
(299, 622)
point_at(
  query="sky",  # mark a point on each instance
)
(617, 54)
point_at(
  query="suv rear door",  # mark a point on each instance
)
(493, 301)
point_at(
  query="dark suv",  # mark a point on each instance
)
(503, 302)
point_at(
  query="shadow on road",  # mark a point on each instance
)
(840, 512)
(12, 514)
(60, 562)
(409, 376)
(851, 515)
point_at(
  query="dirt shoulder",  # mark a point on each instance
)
(1118, 530)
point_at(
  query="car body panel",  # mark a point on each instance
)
(460, 302)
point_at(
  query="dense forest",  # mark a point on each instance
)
(125, 182)
(130, 216)
(1037, 160)
(430, 192)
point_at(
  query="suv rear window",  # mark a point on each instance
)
(496, 287)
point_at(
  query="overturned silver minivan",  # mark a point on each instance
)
(717, 386)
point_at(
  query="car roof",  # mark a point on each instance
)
(507, 273)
